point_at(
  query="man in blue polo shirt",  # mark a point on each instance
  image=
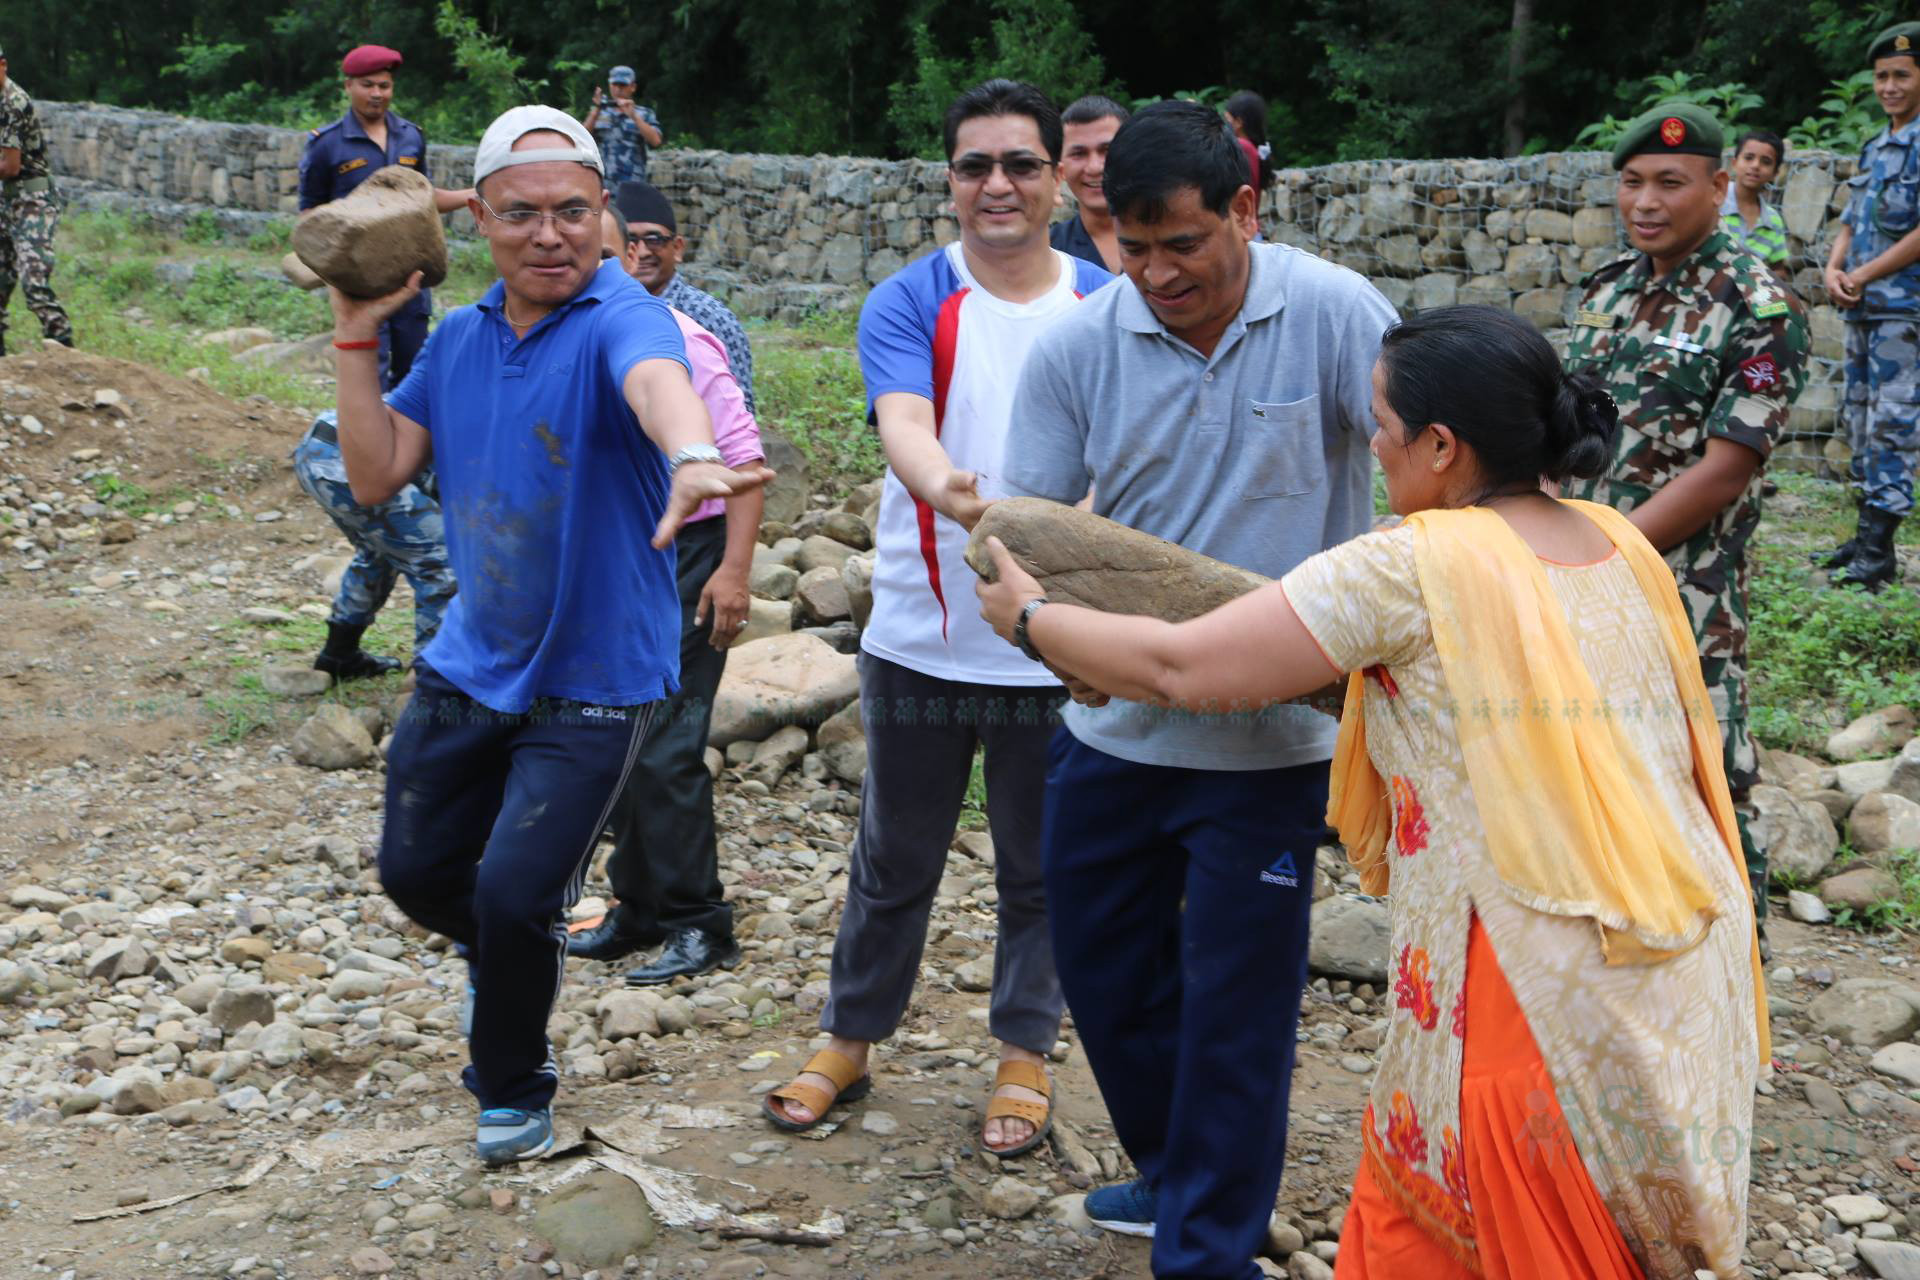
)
(342, 155)
(570, 445)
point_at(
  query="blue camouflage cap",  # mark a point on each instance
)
(620, 75)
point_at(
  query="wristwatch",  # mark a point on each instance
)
(1020, 636)
(695, 453)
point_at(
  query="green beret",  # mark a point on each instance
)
(1896, 41)
(1672, 129)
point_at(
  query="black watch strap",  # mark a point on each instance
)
(1020, 636)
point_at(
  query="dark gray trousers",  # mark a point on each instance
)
(664, 867)
(921, 734)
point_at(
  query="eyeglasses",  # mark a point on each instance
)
(653, 240)
(574, 217)
(1018, 165)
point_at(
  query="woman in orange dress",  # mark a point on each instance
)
(1530, 769)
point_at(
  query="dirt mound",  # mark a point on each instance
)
(166, 427)
(133, 507)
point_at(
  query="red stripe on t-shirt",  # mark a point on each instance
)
(946, 338)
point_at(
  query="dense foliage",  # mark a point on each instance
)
(1346, 78)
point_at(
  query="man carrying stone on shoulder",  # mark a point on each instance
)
(941, 342)
(570, 447)
(1219, 398)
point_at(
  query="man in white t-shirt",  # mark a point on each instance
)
(941, 345)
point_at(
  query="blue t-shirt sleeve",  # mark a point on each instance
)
(896, 343)
(638, 326)
(316, 175)
(412, 398)
(1046, 449)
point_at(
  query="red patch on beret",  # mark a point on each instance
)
(1673, 131)
(369, 58)
(1761, 373)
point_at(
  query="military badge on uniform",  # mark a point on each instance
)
(1673, 131)
(1761, 373)
(1902, 44)
(1679, 344)
(1593, 319)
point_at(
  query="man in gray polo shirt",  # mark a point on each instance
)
(1219, 400)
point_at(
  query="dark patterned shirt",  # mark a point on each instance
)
(623, 152)
(712, 315)
(20, 130)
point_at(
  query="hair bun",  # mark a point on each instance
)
(1581, 428)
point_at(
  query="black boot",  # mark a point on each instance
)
(344, 659)
(1873, 564)
(1841, 556)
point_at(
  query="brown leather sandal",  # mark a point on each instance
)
(1038, 1114)
(848, 1083)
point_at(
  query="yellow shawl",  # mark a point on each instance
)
(1573, 822)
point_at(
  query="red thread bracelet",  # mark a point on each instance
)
(371, 344)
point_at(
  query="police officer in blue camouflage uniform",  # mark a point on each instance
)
(402, 535)
(1873, 276)
(625, 131)
(344, 154)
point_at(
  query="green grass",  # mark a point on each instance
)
(814, 396)
(247, 708)
(973, 810)
(1820, 655)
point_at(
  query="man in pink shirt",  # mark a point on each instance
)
(665, 866)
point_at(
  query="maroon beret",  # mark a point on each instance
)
(369, 58)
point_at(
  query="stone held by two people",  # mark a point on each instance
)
(367, 243)
(1084, 559)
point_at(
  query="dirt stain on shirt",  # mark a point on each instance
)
(555, 454)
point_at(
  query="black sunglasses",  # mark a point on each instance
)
(653, 240)
(1017, 165)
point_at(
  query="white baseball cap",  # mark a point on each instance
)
(496, 144)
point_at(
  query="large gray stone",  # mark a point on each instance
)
(333, 738)
(1349, 938)
(367, 243)
(856, 579)
(1859, 889)
(1085, 559)
(820, 598)
(787, 493)
(596, 1221)
(1878, 733)
(1864, 777)
(1884, 822)
(842, 743)
(234, 1008)
(1804, 203)
(765, 618)
(1868, 1012)
(1798, 835)
(771, 580)
(817, 551)
(1901, 1061)
(778, 754)
(1904, 780)
(791, 679)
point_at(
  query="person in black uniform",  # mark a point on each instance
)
(344, 154)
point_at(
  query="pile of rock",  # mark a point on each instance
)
(1871, 793)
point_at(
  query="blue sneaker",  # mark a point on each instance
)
(1126, 1208)
(507, 1134)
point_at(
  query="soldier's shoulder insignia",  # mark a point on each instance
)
(1768, 310)
(412, 160)
(1594, 318)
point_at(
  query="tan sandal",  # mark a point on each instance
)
(1027, 1075)
(849, 1084)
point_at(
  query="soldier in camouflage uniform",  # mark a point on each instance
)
(402, 535)
(1704, 350)
(1873, 276)
(28, 213)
